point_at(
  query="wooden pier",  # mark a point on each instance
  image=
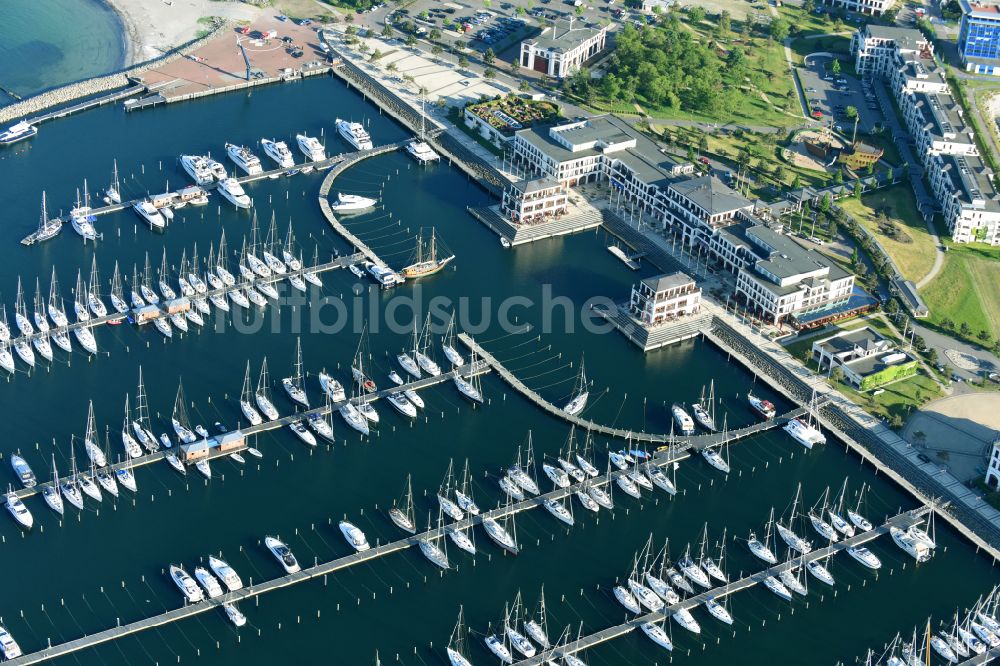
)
(902, 520)
(324, 203)
(319, 570)
(696, 442)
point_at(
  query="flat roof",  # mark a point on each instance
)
(787, 258)
(906, 38)
(969, 179)
(986, 10)
(847, 340)
(871, 364)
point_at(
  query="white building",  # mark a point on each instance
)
(534, 201)
(663, 298)
(875, 47)
(870, 7)
(562, 49)
(993, 471)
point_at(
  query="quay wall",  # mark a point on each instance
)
(983, 533)
(100, 84)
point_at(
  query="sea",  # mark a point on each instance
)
(529, 306)
(49, 43)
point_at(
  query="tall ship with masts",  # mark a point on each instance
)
(47, 228)
(428, 259)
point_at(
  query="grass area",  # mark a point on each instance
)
(811, 23)
(801, 47)
(884, 141)
(967, 291)
(898, 399)
(991, 495)
(802, 349)
(913, 250)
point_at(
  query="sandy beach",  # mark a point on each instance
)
(153, 27)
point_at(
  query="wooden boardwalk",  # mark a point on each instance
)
(339, 262)
(324, 203)
(902, 520)
(696, 442)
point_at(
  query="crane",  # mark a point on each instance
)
(246, 58)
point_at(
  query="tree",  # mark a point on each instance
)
(835, 66)
(796, 182)
(436, 49)
(524, 86)
(579, 10)
(948, 323)
(392, 67)
(463, 61)
(695, 14)
(435, 34)
(487, 3)
(851, 112)
(724, 24)
(965, 329)
(349, 18)
(520, 11)
(351, 30)
(932, 356)
(490, 73)
(896, 422)
(837, 374)
(779, 173)
(489, 57)
(984, 335)
(411, 40)
(387, 31)
(824, 203)
(779, 29)
(808, 6)
(857, 190)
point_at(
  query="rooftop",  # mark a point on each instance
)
(905, 38)
(711, 194)
(783, 258)
(528, 186)
(564, 36)
(667, 281)
(986, 10)
(942, 113)
(970, 179)
(866, 338)
(877, 362)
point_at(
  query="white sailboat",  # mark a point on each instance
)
(179, 418)
(90, 443)
(293, 385)
(50, 492)
(578, 402)
(263, 394)
(448, 345)
(141, 427)
(132, 448)
(94, 301)
(402, 513)
(422, 352)
(457, 649)
(117, 294)
(762, 549)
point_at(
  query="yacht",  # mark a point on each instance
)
(702, 416)
(794, 541)
(865, 557)
(6, 360)
(186, 584)
(148, 212)
(859, 521)
(354, 418)
(645, 596)
(126, 478)
(422, 152)
(204, 468)
(718, 611)
(789, 577)
(660, 479)
(413, 397)
(628, 486)
(713, 458)
(626, 599)
(244, 159)
(804, 433)
(283, 554)
(351, 202)
(320, 426)
(279, 152)
(760, 549)
(368, 411)
(402, 405)
(942, 648)
(43, 346)
(175, 462)
(235, 616)
(226, 574)
(913, 546)
(198, 168)
(83, 223)
(17, 132)
(218, 169)
(572, 469)
(311, 147)
(512, 489)
(23, 472)
(355, 537)
(499, 535)
(10, 648)
(24, 350)
(778, 588)
(19, 511)
(558, 510)
(520, 642)
(763, 407)
(355, 134)
(208, 581)
(683, 420)
(820, 572)
(434, 553)
(232, 191)
(497, 647)
(557, 475)
(333, 388)
(684, 618)
(691, 569)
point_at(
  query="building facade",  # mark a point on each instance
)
(562, 49)
(993, 470)
(979, 37)
(534, 201)
(870, 7)
(664, 298)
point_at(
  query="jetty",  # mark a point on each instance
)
(696, 442)
(902, 521)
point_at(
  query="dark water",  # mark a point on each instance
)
(49, 43)
(83, 575)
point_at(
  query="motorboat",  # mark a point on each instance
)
(235, 615)
(199, 168)
(9, 647)
(302, 432)
(865, 557)
(626, 599)
(402, 405)
(332, 388)
(279, 152)
(395, 378)
(355, 134)
(17, 132)
(912, 545)
(208, 581)
(311, 147)
(415, 398)
(763, 407)
(387, 278)
(244, 159)
(422, 152)
(355, 537)
(19, 512)
(805, 434)
(150, 214)
(283, 554)
(23, 472)
(233, 192)
(351, 202)
(192, 593)
(682, 419)
(225, 573)
(368, 411)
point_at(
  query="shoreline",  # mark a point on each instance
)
(129, 32)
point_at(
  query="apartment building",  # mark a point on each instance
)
(563, 48)
(979, 37)
(662, 298)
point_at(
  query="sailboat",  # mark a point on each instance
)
(463, 493)
(141, 427)
(471, 388)
(536, 626)
(856, 517)
(179, 418)
(144, 287)
(90, 445)
(657, 633)
(426, 258)
(363, 381)
(704, 412)
(524, 476)
(656, 581)
(824, 528)
(794, 541)
(418, 148)
(117, 293)
(448, 344)
(40, 320)
(406, 361)
(422, 352)
(293, 385)
(246, 401)
(457, 649)
(836, 513)
(401, 512)
(80, 300)
(113, 194)
(132, 448)
(263, 394)
(70, 488)
(288, 251)
(82, 217)
(499, 533)
(47, 228)
(450, 508)
(193, 274)
(106, 476)
(714, 457)
(136, 297)
(164, 283)
(94, 292)
(762, 549)
(499, 644)
(517, 640)
(51, 492)
(182, 272)
(580, 393)
(21, 312)
(437, 555)
(806, 431)
(271, 245)
(709, 564)
(221, 266)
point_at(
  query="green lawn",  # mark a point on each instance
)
(898, 398)
(967, 290)
(914, 258)
(801, 47)
(799, 348)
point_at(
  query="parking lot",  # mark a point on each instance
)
(831, 95)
